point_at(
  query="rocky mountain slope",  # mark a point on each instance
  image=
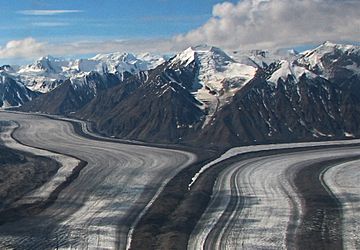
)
(72, 94)
(204, 96)
(284, 101)
(64, 86)
(177, 98)
(316, 96)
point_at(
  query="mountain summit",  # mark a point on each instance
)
(205, 96)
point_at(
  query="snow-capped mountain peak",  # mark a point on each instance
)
(263, 58)
(200, 52)
(184, 58)
(48, 72)
(83, 65)
(116, 56)
(151, 60)
(329, 59)
(121, 62)
(215, 67)
(218, 76)
(330, 46)
(46, 64)
(132, 63)
(288, 69)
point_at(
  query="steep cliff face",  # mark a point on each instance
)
(12, 92)
(71, 95)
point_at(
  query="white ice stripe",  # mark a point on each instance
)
(269, 201)
(343, 181)
(216, 208)
(42, 193)
(85, 128)
(246, 149)
(191, 159)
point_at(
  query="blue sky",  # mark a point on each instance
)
(102, 19)
(78, 28)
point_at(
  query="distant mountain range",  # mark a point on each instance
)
(48, 72)
(200, 96)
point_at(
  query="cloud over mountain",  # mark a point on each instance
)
(248, 24)
(25, 48)
(277, 23)
(30, 48)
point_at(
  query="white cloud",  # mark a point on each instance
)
(25, 48)
(245, 25)
(277, 23)
(46, 12)
(29, 48)
(50, 24)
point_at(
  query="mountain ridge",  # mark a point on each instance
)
(203, 96)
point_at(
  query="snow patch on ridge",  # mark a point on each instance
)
(287, 69)
(318, 59)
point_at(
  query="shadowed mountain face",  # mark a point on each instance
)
(72, 94)
(203, 97)
(155, 109)
(306, 110)
(13, 93)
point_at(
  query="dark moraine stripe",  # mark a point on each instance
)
(320, 226)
